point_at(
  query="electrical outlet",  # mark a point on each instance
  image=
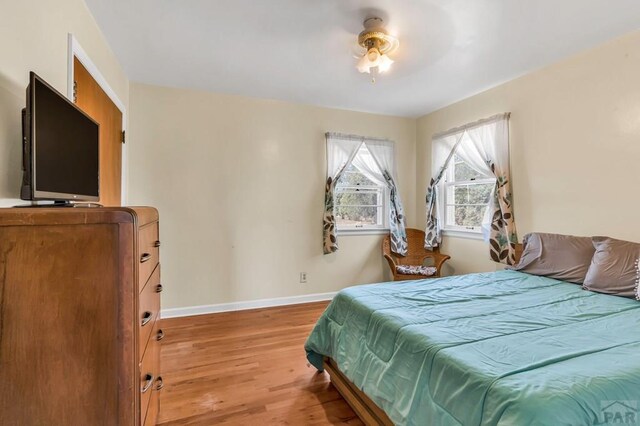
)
(303, 277)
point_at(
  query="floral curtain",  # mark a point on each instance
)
(383, 152)
(340, 153)
(443, 150)
(378, 164)
(484, 146)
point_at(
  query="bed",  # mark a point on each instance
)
(502, 348)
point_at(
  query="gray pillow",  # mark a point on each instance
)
(563, 257)
(614, 268)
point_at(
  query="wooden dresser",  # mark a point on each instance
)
(79, 303)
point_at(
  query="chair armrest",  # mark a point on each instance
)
(438, 260)
(392, 264)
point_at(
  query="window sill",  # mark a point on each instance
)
(377, 231)
(462, 234)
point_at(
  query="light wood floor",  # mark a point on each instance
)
(246, 368)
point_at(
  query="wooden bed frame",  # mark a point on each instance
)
(364, 407)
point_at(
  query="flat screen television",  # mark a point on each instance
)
(60, 147)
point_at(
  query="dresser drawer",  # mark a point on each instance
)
(154, 402)
(149, 377)
(149, 308)
(156, 335)
(154, 406)
(148, 252)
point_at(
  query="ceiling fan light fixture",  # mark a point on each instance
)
(378, 45)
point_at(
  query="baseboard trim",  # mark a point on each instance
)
(242, 306)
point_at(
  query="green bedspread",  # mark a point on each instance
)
(503, 348)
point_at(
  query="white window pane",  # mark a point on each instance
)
(359, 202)
(461, 194)
(467, 201)
(464, 172)
(472, 194)
(480, 194)
(358, 216)
(356, 199)
(351, 176)
(465, 215)
(357, 208)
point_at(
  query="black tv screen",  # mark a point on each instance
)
(61, 147)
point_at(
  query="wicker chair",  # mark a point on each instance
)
(416, 255)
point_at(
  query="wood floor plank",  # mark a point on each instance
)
(247, 368)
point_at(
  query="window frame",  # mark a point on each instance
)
(447, 187)
(382, 227)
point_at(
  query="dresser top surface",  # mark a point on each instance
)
(76, 215)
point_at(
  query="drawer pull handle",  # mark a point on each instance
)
(159, 382)
(156, 244)
(159, 288)
(145, 257)
(148, 382)
(160, 335)
(146, 318)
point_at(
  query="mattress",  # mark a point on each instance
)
(503, 348)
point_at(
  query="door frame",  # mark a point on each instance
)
(74, 49)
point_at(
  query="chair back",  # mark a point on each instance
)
(415, 248)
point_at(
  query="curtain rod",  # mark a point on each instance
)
(355, 137)
(468, 126)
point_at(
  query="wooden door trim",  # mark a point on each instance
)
(74, 49)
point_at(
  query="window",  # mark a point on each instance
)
(466, 197)
(360, 203)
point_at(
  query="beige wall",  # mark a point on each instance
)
(239, 184)
(33, 37)
(575, 147)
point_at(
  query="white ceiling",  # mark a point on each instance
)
(302, 50)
